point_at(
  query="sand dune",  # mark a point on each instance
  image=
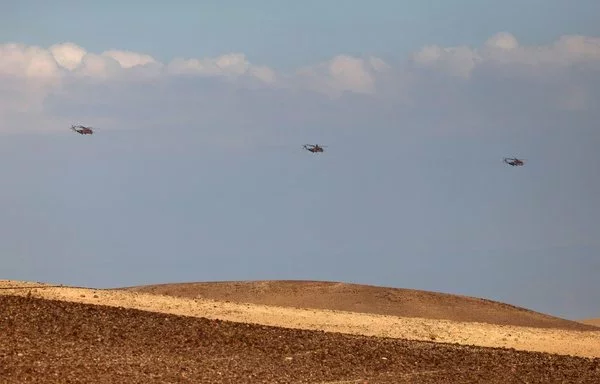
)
(584, 341)
(364, 299)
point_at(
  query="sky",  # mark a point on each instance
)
(196, 170)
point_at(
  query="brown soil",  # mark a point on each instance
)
(365, 299)
(48, 341)
(594, 322)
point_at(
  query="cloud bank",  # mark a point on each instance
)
(42, 88)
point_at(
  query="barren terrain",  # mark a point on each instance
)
(364, 299)
(594, 322)
(68, 334)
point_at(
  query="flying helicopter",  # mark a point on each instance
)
(514, 161)
(314, 148)
(82, 129)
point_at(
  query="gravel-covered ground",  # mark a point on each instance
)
(49, 341)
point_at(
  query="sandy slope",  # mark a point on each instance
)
(568, 342)
(595, 322)
(364, 299)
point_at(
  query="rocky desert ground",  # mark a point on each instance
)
(282, 332)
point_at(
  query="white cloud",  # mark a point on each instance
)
(503, 41)
(233, 64)
(67, 55)
(265, 74)
(29, 62)
(457, 81)
(129, 59)
(341, 74)
(66, 59)
(504, 49)
(459, 61)
(98, 67)
(378, 64)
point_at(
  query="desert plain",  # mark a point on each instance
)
(283, 332)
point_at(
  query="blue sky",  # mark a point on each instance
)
(287, 33)
(196, 171)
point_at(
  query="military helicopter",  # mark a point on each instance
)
(82, 129)
(514, 161)
(314, 148)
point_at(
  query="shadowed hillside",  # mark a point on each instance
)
(50, 341)
(366, 299)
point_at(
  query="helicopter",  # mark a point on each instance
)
(514, 162)
(82, 130)
(314, 148)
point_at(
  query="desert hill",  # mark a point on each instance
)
(594, 322)
(55, 341)
(584, 342)
(365, 299)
